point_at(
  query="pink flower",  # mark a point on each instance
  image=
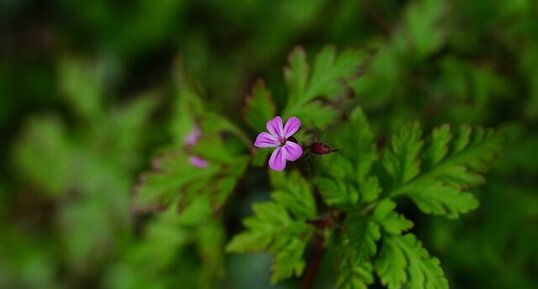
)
(193, 136)
(190, 140)
(278, 138)
(198, 162)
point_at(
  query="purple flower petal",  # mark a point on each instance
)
(292, 151)
(277, 162)
(292, 126)
(198, 162)
(275, 127)
(193, 136)
(266, 140)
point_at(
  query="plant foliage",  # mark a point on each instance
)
(121, 171)
(364, 182)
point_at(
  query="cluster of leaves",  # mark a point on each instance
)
(360, 184)
(184, 200)
(507, 229)
(476, 88)
(63, 162)
(173, 179)
(315, 95)
(436, 173)
(189, 241)
(280, 226)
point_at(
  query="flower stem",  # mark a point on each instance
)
(314, 262)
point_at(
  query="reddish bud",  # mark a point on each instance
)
(319, 148)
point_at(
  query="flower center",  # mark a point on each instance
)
(282, 141)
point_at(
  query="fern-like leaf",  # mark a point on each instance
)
(389, 220)
(402, 163)
(259, 107)
(404, 263)
(326, 80)
(280, 227)
(437, 178)
(354, 275)
(346, 177)
(359, 242)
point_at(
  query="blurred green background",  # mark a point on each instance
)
(86, 90)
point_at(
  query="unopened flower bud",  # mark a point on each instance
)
(320, 148)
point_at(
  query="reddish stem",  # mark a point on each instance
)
(314, 263)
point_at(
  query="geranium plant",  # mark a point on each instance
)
(338, 195)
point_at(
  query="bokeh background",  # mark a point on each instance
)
(85, 94)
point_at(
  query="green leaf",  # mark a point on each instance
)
(280, 227)
(402, 162)
(225, 185)
(471, 154)
(296, 74)
(213, 123)
(336, 193)
(315, 114)
(295, 192)
(452, 166)
(391, 264)
(403, 262)
(126, 129)
(187, 107)
(370, 189)
(43, 155)
(382, 78)
(259, 107)
(424, 26)
(353, 275)
(173, 177)
(389, 220)
(81, 85)
(288, 260)
(362, 235)
(328, 81)
(171, 174)
(346, 172)
(437, 147)
(359, 245)
(363, 150)
(273, 230)
(212, 148)
(355, 141)
(329, 70)
(438, 198)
